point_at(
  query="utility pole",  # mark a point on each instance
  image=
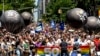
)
(44, 6)
(3, 6)
(36, 11)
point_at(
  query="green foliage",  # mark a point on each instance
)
(16, 4)
(90, 6)
(53, 7)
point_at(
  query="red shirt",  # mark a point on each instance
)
(97, 42)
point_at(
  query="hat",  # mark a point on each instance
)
(71, 30)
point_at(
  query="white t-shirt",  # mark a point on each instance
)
(2, 45)
(8, 43)
(13, 42)
(50, 44)
(83, 43)
(98, 53)
(57, 42)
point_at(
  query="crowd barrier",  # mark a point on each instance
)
(55, 50)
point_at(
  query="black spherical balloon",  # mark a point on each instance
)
(98, 28)
(92, 23)
(98, 23)
(27, 17)
(76, 17)
(12, 21)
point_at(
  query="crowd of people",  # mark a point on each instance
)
(26, 42)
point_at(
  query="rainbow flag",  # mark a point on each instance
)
(85, 50)
(42, 51)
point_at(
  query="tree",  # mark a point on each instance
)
(18, 5)
(53, 7)
(89, 6)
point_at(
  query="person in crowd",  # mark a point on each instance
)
(83, 41)
(63, 46)
(50, 42)
(38, 42)
(26, 42)
(91, 44)
(57, 41)
(97, 44)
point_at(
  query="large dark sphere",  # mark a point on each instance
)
(76, 17)
(92, 23)
(12, 21)
(10, 16)
(98, 28)
(27, 17)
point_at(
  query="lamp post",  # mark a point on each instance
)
(60, 12)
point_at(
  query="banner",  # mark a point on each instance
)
(55, 51)
(61, 27)
(39, 27)
(53, 25)
(85, 50)
(52, 51)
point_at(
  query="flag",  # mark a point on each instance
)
(53, 25)
(39, 27)
(61, 27)
(85, 50)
